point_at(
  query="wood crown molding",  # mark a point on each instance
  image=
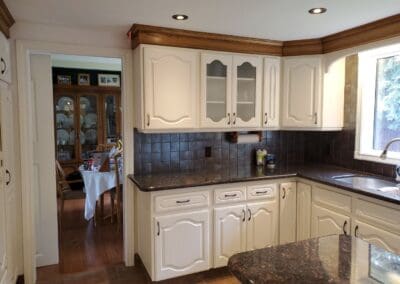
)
(379, 30)
(6, 19)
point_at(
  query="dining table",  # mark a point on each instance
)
(96, 183)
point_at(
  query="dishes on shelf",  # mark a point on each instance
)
(90, 120)
(91, 136)
(82, 137)
(65, 104)
(62, 137)
(84, 103)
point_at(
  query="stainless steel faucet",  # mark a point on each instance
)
(384, 155)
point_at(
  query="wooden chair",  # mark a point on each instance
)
(116, 194)
(64, 191)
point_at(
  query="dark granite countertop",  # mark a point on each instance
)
(331, 259)
(318, 173)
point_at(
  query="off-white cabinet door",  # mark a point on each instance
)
(171, 88)
(287, 213)
(262, 225)
(377, 236)
(303, 211)
(182, 244)
(216, 90)
(271, 91)
(302, 84)
(326, 222)
(246, 91)
(229, 233)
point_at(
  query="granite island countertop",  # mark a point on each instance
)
(315, 172)
(331, 259)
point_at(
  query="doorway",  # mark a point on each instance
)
(29, 121)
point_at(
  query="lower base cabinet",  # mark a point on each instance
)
(326, 222)
(182, 244)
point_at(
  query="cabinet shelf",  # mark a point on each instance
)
(246, 79)
(215, 102)
(216, 77)
(245, 103)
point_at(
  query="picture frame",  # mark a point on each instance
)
(83, 79)
(109, 80)
(64, 80)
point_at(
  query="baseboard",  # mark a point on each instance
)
(20, 279)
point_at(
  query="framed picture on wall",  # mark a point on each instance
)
(109, 80)
(64, 80)
(83, 79)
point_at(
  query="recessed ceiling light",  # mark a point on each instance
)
(180, 17)
(316, 11)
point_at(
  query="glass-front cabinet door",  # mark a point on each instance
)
(246, 93)
(88, 124)
(111, 117)
(216, 86)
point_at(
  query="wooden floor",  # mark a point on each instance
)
(91, 254)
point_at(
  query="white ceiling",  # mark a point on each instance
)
(271, 19)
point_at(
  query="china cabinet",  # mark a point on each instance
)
(230, 90)
(84, 116)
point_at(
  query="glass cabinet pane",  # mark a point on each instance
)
(88, 122)
(110, 110)
(246, 91)
(65, 128)
(216, 91)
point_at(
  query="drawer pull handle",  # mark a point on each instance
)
(344, 227)
(249, 214)
(183, 201)
(229, 118)
(262, 192)
(158, 228)
(266, 119)
(234, 118)
(244, 215)
(231, 195)
(356, 231)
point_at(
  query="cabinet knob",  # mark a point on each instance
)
(148, 119)
(229, 118)
(244, 215)
(266, 119)
(344, 227)
(315, 118)
(9, 177)
(284, 193)
(158, 228)
(356, 231)
(234, 118)
(249, 214)
(3, 62)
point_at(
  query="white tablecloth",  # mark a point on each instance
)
(96, 183)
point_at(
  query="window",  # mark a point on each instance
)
(378, 119)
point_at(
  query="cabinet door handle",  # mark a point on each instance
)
(249, 214)
(9, 177)
(244, 215)
(158, 228)
(148, 119)
(183, 201)
(315, 118)
(234, 118)
(356, 231)
(266, 119)
(344, 227)
(230, 195)
(3, 62)
(284, 193)
(229, 118)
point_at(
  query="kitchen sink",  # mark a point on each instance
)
(372, 183)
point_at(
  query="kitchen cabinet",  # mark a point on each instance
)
(303, 211)
(181, 244)
(326, 222)
(230, 91)
(313, 93)
(271, 92)
(170, 94)
(5, 63)
(287, 213)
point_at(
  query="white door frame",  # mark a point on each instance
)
(24, 49)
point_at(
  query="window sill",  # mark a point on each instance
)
(373, 157)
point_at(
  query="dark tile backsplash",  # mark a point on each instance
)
(157, 153)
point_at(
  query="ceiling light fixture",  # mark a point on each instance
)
(317, 11)
(180, 17)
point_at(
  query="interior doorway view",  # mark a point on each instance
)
(77, 139)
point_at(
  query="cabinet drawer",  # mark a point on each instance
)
(187, 200)
(331, 199)
(262, 191)
(230, 194)
(377, 214)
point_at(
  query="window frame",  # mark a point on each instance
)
(366, 95)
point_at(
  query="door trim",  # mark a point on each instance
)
(24, 49)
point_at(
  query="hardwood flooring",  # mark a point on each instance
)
(91, 254)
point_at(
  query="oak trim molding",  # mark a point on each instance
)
(6, 19)
(375, 31)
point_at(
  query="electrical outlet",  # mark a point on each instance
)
(207, 152)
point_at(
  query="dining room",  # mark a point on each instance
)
(87, 231)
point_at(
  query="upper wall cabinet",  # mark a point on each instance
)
(5, 70)
(169, 97)
(271, 92)
(312, 93)
(230, 91)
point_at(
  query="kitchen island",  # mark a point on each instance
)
(331, 259)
